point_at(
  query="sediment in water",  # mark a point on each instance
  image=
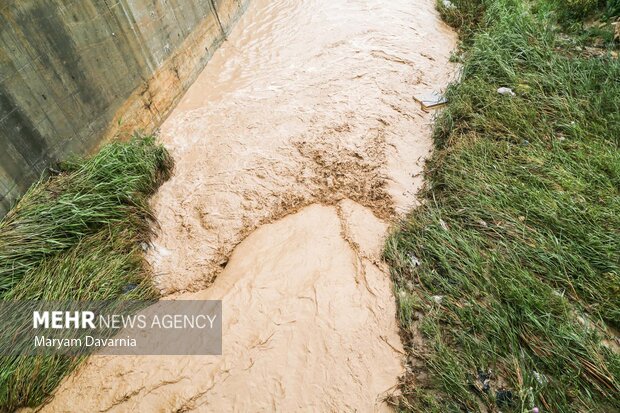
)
(294, 149)
(307, 325)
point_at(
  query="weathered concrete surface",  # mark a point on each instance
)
(75, 72)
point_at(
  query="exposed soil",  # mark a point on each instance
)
(294, 149)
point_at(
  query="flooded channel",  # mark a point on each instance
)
(295, 149)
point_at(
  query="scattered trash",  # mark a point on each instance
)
(414, 260)
(540, 378)
(504, 398)
(144, 246)
(483, 223)
(430, 100)
(437, 298)
(129, 287)
(506, 91)
(443, 224)
(525, 142)
(448, 4)
(485, 380)
(535, 410)
(486, 385)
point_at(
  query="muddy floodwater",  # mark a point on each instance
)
(295, 149)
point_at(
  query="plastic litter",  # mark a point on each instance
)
(506, 91)
(448, 4)
(443, 224)
(485, 379)
(540, 378)
(432, 100)
(437, 298)
(414, 260)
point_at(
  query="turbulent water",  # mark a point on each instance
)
(296, 147)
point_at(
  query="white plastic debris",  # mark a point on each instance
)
(414, 260)
(430, 100)
(540, 378)
(506, 91)
(448, 4)
(443, 224)
(437, 298)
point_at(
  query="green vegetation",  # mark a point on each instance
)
(78, 236)
(508, 277)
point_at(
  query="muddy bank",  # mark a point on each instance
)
(294, 149)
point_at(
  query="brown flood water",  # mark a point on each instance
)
(296, 147)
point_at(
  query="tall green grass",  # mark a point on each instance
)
(78, 236)
(508, 277)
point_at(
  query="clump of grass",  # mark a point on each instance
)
(508, 277)
(78, 236)
(85, 197)
(576, 11)
(464, 15)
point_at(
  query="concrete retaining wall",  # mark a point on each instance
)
(76, 72)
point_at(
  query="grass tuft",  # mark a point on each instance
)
(78, 236)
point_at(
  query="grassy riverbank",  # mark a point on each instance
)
(508, 278)
(78, 236)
